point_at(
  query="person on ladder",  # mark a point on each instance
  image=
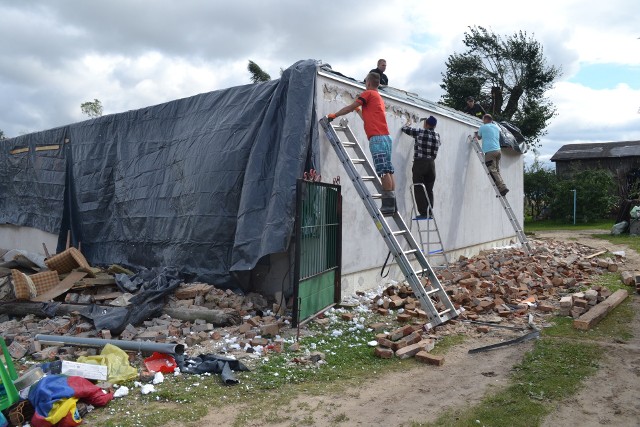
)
(489, 134)
(375, 126)
(425, 150)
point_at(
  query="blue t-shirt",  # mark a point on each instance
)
(490, 137)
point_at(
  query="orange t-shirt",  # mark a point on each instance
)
(373, 113)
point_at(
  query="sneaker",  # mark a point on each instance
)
(504, 192)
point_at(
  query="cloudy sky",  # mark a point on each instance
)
(54, 55)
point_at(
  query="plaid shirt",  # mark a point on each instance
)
(426, 144)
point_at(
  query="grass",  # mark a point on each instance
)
(552, 224)
(271, 385)
(552, 371)
(624, 239)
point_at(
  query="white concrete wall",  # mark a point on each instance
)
(27, 238)
(469, 216)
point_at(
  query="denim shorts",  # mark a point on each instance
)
(380, 147)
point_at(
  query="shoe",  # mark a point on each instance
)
(388, 206)
(504, 192)
(420, 217)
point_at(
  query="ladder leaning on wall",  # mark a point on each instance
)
(432, 296)
(503, 200)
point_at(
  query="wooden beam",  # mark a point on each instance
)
(597, 313)
(596, 254)
(216, 317)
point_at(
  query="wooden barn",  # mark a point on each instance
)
(622, 159)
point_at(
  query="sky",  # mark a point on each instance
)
(130, 54)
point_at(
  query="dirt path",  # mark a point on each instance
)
(422, 393)
(394, 399)
(611, 396)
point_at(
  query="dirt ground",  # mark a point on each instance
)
(422, 393)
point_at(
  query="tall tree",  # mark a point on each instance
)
(2, 135)
(509, 76)
(257, 74)
(92, 108)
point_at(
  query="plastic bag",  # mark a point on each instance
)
(620, 227)
(116, 361)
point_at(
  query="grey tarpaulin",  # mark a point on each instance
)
(211, 363)
(206, 183)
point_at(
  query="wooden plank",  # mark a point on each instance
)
(62, 287)
(110, 295)
(597, 313)
(596, 254)
(216, 317)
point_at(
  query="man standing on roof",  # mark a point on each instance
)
(382, 65)
(489, 134)
(425, 150)
(474, 108)
(375, 126)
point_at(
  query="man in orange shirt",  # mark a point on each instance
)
(375, 126)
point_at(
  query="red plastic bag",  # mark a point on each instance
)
(160, 362)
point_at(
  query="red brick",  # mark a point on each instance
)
(383, 353)
(404, 318)
(431, 359)
(383, 342)
(410, 350)
(347, 317)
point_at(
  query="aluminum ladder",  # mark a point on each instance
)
(430, 239)
(432, 296)
(503, 200)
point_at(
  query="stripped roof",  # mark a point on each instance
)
(597, 150)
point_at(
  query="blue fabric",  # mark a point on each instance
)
(49, 390)
(490, 134)
(380, 147)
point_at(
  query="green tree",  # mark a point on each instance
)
(509, 76)
(92, 108)
(595, 195)
(538, 187)
(257, 74)
(2, 135)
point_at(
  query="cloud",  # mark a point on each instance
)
(134, 54)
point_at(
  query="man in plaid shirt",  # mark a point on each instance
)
(425, 151)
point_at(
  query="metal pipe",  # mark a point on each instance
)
(147, 346)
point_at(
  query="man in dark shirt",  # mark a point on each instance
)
(382, 65)
(474, 108)
(425, 151)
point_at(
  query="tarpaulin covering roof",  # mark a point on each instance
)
(205, 183)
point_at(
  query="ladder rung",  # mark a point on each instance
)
(410, 251)
(376, 196)
(368, 178)
(444, 312)
(348, 144)
(433, 291)
(397, 233)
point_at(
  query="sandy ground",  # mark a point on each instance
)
(424, 392)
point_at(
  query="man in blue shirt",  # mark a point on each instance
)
(489, 134)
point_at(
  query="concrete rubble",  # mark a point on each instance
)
(496, 287)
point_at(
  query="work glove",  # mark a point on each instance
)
(330, 117)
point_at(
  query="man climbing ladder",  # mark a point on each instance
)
(375, 126)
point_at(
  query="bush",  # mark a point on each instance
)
(595, 196)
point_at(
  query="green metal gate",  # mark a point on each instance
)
(318, 245)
